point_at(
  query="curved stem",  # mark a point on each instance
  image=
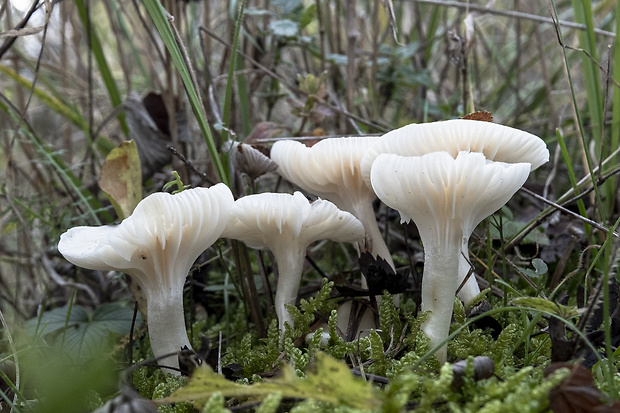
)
(366, 214)
(471, 289)
(166, 325)
(290, 259)
(439, 284)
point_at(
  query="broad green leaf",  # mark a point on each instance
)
(85, 332)
(541, 304)
(121, 178)
(329, 381)
(287, 7)
(540, 268)
(310, 14)
(284, 28)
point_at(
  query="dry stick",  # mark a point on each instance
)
(189, 165)
(352, 36)
(568, 211)
(510, 13)
(9, 42)
(321, 33)
(544, 214)
(293, 88)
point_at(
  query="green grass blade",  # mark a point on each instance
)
(244, 100)
(158, 15)
(231, 70)
(615, 109)
(90, 202)
(579, 120)
(102, 63)
(58, 106)
(587, 41)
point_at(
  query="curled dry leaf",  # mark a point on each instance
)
(251, 161)
(481, 115)
(577, 392)
(484, 367)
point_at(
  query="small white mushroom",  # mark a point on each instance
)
(156, 246)
(447, 198)
(497, 143)
(286, 225)
(330, 169)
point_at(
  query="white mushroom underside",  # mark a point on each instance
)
(156, 246)
(446, 198)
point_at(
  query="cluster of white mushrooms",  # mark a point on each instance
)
(445, 176)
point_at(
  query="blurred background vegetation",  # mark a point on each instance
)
(77, 78)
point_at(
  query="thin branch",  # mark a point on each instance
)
(510, 13)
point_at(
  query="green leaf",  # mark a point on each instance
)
(83, 333)
(287, 7)
(309, 14)
(329, 381)
(546, 306)
(540, 268)
(284, 28)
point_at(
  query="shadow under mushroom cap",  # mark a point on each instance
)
(435, 190)
(163, 236)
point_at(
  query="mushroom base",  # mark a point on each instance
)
(167, 333)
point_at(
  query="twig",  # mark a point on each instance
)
(568, 211)
(282, 80)
(510, 13)
(189, 164)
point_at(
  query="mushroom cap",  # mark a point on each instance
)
(441, 193)
(268, 220)
(159, 242)
(497, 142)
(329, 169)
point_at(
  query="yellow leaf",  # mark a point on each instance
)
(328, 380)
(121, 178)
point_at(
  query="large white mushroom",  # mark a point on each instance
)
(446, 197)
(156, 246)
(330, 169)
(286, 225)
(497, 142)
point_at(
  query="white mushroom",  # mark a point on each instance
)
(446, 197)
(330, 169)
(286, 224)
(156, 246)
(497, 143)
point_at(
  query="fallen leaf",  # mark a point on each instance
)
(577, 392)
(121, 178)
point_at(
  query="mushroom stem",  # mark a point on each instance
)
(441, 264)
(290, 261)
(166, 325)
(373, 240)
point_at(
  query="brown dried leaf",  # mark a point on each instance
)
(121, 178)
(481, 115)
(577, 393)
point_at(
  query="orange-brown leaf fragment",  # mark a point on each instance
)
(481, 115)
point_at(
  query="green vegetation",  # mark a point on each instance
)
(181, 78)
